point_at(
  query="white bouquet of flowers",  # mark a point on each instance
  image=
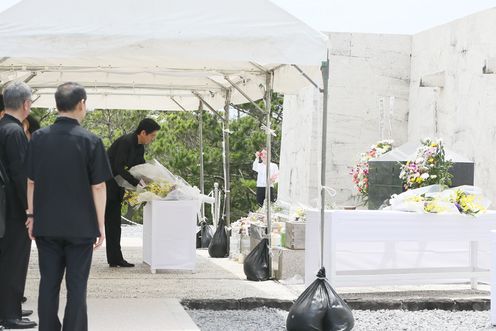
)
(438, 199)
(161, 185)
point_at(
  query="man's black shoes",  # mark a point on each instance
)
(122, 264)
(26, 313)
(18, 324)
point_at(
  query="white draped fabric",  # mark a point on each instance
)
(152, 50)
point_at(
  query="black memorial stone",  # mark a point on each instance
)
(384, 172)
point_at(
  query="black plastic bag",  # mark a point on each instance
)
(198, 237)
(219, 245)
(256, 264)
(320, 308)
(206, 234)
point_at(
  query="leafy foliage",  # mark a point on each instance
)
(177, 145)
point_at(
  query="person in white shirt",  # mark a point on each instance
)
(260, 166)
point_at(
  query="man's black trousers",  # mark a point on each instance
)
(261, 195)
(113, 227)
(15, 248)
(56, 256)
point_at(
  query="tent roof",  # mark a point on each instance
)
(154, 48)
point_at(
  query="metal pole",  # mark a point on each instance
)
(208, 106)
(178, 104)
(244, 94)
(216, 205)
(325, 77)
(227, 179)
(268, 108)
(200, 134)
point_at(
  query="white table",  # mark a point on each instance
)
(387, 227)
(493, 277)
(169, 234)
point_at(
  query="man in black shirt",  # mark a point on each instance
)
(15, 246)
(67, 168)
(2, 109)
(126, 152)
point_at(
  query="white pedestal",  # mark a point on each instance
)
(349, 233)
(169, 234)
(493, 277)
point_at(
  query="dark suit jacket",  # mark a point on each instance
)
(3, 199)
(124, 154)
(13, 147)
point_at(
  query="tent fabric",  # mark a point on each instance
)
(155, 49)
(145, 33)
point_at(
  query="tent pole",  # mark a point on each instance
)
(325, 77)
(244, 94)
(307, 77)
(227, 179)
(178, 104)
(268, 112)
(200, 137)
(219, 116)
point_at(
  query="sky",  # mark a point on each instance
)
(372, 16)
(381, 16)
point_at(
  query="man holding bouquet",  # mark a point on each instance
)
(126, 152)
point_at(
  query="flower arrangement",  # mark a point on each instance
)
(152, 191)
(465, 203)
(469, 203)
(299, 214)
(161, 185)
(360, 172)
(466, 199)
(429, 167)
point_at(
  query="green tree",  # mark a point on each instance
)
(110, 124)
(177, 145)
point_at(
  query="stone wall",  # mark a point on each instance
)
(368, 100)
(434, 82)
(460, 106)
(300, 152)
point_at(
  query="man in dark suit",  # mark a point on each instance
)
(15, 246)
(67, 168)
(126, 152)
(2, 109)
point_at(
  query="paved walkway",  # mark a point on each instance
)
(127, 294)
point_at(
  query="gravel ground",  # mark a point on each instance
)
(383, 320)
(240, 320)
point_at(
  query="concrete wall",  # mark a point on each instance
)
(367, 74)
(299, 176)
(457, 103)
(462, 112)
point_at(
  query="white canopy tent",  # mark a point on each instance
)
(160, 55)
(156, 49)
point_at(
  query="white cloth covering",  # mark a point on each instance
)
(140, 54)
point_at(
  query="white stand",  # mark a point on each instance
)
(493, 277)
(390, 227)
(169, 234)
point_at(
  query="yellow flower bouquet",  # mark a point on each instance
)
(161, 184)
(435, 199)
(429, 167)
(152, 191)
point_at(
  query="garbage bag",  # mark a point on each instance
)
(198, 237)
(256, 264)
(320, 308)
(219, 245)
(206, 234)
